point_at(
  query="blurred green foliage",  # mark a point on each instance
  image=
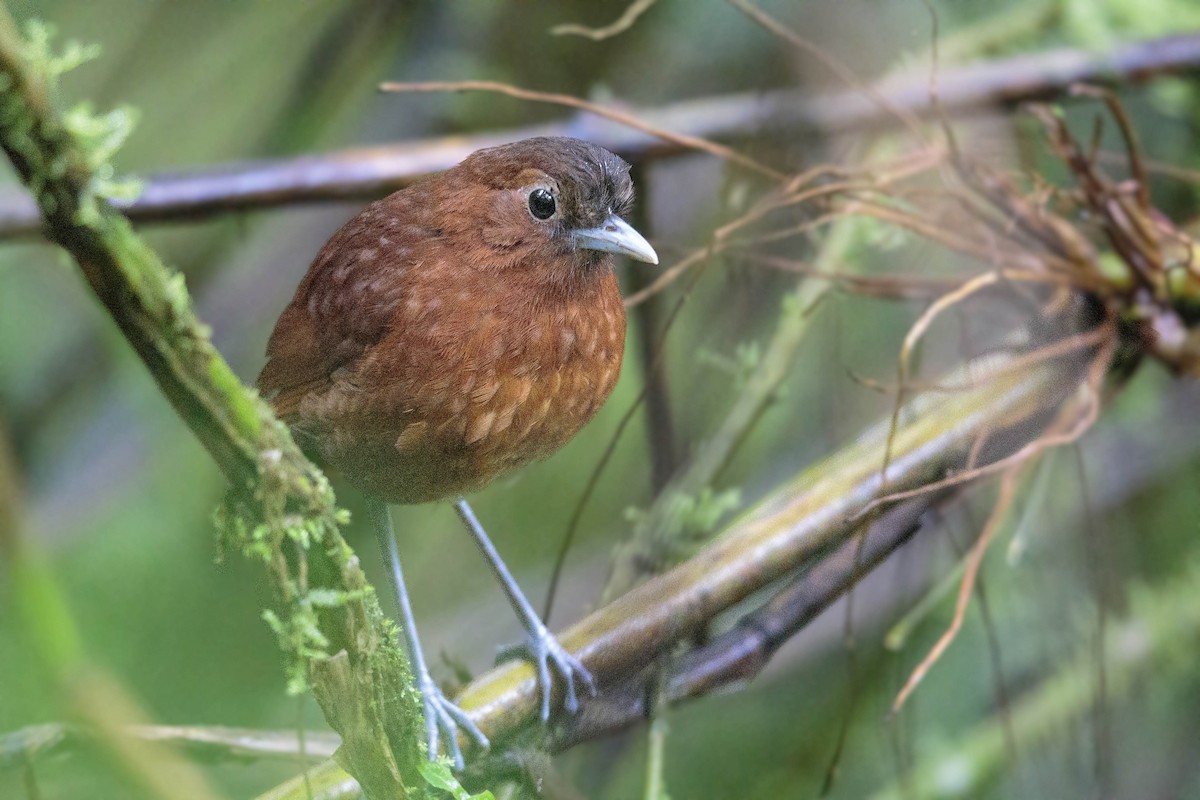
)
(120, 497)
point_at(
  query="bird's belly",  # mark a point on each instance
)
(464, 428)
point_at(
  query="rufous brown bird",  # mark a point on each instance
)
(452, 332)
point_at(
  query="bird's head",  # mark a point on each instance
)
(549, 204)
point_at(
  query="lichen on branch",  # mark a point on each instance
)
(280, 510)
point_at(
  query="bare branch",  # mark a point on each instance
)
(368, 172)
(211, 743)
(740, 653)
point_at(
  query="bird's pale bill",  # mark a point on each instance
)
(615, 235)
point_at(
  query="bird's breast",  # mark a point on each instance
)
(473, 400)
(538, 377)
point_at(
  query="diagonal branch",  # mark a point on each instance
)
(803, 521)
(281, 510)
(799, 521)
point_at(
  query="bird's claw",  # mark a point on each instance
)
(443, 719)
(543, 650)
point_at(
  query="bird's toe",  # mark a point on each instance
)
(442, 720)
(549, 655)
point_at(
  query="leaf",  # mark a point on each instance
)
(438, 775)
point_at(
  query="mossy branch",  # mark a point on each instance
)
(803, 521)
(690, 493)
(281, 509)
(804, 518)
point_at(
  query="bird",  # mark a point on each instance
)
(451, 333)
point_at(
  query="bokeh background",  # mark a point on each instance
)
(119, 496)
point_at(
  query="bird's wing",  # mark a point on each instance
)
(345, 304)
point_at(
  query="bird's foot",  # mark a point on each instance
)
(544, 650)
(442, 721)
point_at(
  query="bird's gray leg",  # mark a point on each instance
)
(543, 648)
(441, 716)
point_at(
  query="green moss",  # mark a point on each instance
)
(243, 408)
(281, 512)
(42, 58)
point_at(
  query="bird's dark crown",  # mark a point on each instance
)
(592, 182)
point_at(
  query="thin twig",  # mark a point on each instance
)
(627, 119)
(620, 25)
(1008, 485)
(1165, 623)
(915, 332)
(833, 64)
(656, 740)
(1083, 423)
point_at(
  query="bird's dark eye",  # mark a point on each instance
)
(541, 204)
